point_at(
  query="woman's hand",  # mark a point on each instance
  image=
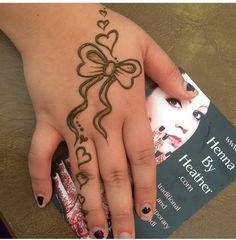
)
(84, 67)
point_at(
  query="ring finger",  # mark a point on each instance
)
(114, 171)
(86, 175)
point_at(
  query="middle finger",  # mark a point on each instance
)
(114, 171)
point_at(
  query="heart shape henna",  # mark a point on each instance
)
(82, 178)
(103, 24)
(107, 40)
(82, 156)
(83, 139)
(81, 199)
(84, 212)
(103, 12)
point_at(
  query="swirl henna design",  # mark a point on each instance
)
(83, 89)
(97, 67)
(108, 107)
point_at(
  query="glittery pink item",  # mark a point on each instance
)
(67, 182)
(68, 196)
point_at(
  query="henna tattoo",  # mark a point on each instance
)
(103, 12)
(82, 178)
(107, 40)
(83, 156)
(98, 67)
(81, 199)
(103, 24)
(95, 66)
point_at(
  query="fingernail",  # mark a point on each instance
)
(124, 235)
(165, 136)
(181, 70)
(146, 212)
(98, 233)
(168, 154)
(161, 128)
(40, 201)
(190, 88)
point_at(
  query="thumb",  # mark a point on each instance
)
(43, 145)
(161, 69)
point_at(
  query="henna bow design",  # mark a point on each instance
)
(95, 66)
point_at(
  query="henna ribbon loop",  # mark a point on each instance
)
(95, 63)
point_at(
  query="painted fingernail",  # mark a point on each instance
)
(98, 233)
(168, 154)
(190, 88)
(40, 201)
(181, 70)
(161, 128)
(165, 136)
(124, 235)
(146, 213)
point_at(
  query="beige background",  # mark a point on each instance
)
(199, 37)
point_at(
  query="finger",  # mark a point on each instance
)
(161, 69)
(43, 145)
(86, 174)
(114, 171)
(140, 150)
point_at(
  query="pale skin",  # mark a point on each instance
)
(181, 118)
(48, 37)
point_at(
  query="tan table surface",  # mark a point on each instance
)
(199, 37)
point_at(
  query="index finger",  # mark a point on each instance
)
(162, 70)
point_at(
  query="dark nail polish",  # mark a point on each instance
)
(146, 210)
(168, 154)
(40, 200)
(181, 70)
(165, 137)
(99, 234)
(190, 87)
(157, 153)
(162, 128)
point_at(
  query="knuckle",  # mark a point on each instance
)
(144, 157)
(87, 173)
(146, 188)
(94, 211)
(116, 178)
(122, 216)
